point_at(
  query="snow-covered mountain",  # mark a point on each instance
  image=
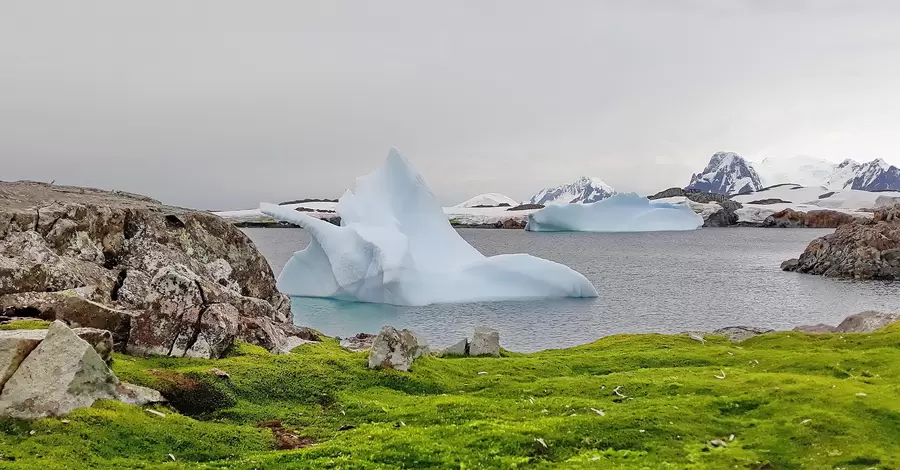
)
(488, 200)
(582, 191)
(876, 175)
(726, 173)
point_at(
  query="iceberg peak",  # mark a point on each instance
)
(396, 246)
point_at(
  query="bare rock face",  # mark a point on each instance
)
(395, 349)
(485, 342)
(61, 374)
(789, 218)
(359, 342)
(859, 250)
(162, 279)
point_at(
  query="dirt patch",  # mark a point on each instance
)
(285, 439)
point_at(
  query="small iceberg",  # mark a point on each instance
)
(396, 246)
(620, 213)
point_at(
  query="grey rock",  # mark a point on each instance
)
(866, 322)
(56, 240)
(137, 395)
(396, 349)
(100, 340)
(741, 333)
(485, 342)
(459, 349)
(61, 374)
(790, 265)
(15, 346)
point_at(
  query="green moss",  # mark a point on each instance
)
(26, 325)
(791, 400)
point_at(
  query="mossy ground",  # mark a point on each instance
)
(791, 400)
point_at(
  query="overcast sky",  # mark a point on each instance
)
(222, 104)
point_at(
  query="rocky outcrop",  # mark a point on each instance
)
(358, 343)
(485, 342)
(724, 217)
(789, 218)
(863, 322)
(692, 194)
(393, 349)
(162, 279)
(859, 250)
(763, 202)
(61, 373)
(459, 349)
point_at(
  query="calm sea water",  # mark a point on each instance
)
(664, 282)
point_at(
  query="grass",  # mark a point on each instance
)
(791, 401)
(25, 325)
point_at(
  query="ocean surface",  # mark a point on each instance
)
(665, 282)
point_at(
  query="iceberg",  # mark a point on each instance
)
(626, 212)
(396, 246)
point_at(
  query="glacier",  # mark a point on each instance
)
(396, 246)
(624, 212)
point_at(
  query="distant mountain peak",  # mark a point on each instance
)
(726, 173)
(585, 189)
(874, 175)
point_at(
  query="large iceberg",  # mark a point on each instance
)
(620, 213)
(396, 246)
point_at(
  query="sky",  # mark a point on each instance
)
(222, 104)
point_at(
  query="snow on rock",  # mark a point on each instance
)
(620, 213)
(395, 246)
(876, 175)
(488, 200)
(583, 191)
(726, 173)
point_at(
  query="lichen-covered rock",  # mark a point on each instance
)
(127, 257)
(485, 342)
(100, 340)
(61, 374)
(859, 250)
(396, 349)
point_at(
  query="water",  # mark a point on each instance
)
(648, 282)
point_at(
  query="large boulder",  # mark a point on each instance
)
(61, 374)
(15, 346)
(396, 349)
(118, 262)
(863, 322)
(100, 340)
(859, 250)
(485, 342)
(724, 217)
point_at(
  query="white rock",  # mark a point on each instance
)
(15, 345)
(395, 349)
(485, 342)
(61, 374)
(136, 395)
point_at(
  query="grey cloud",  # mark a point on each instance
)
(222, 104)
